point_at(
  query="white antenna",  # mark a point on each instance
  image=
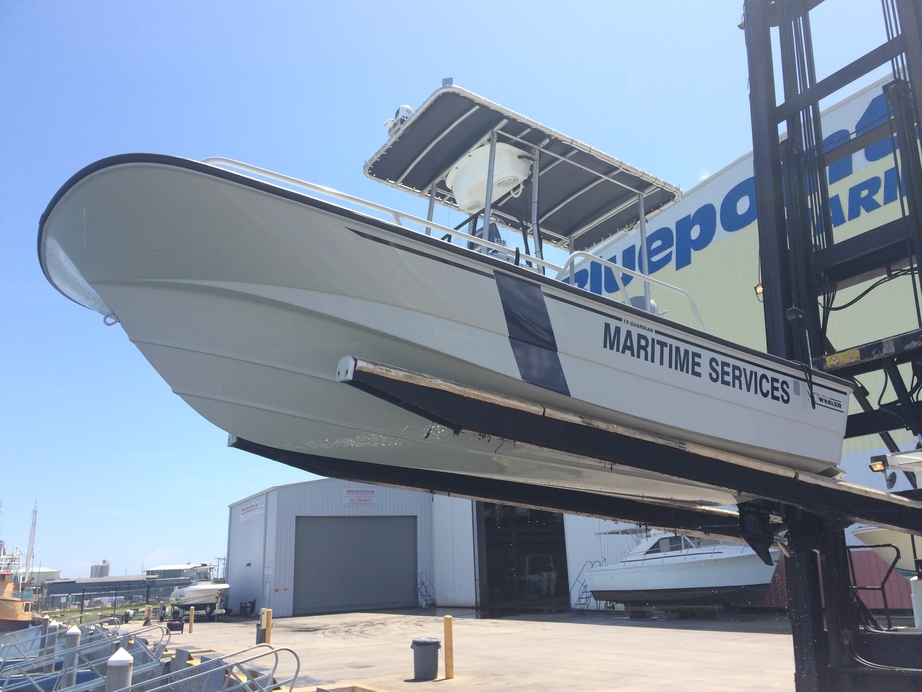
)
(28, 575)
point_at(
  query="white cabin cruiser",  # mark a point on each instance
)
(204, 592)
(671, 569)
(257, 301)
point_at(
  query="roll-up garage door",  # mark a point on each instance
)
(354, 563)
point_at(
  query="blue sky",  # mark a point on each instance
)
(121, 468)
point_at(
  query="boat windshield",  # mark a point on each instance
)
(667, 544)
(702, 542)
(200, 573)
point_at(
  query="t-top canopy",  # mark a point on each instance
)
(584, 196)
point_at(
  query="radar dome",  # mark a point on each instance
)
(467, 179)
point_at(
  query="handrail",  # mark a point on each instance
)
(683, 554)
(237, 670)
(45, 669)
(568, 268)
(396, 214)
(584, 589)
(18, 644)
(32, 642)
(882, 587)
(588, 564)
(426, 583)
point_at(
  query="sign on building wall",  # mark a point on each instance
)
(359, 497)
(251, 510)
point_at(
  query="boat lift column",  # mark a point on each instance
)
(837, 646)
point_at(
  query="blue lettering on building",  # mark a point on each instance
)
(737, 210)
(861, 197)
(731, 218)
(694, 233)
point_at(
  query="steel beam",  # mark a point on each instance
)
(476, 411)
(694, 520)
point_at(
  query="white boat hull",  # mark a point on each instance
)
(245, 297)
(202, 596)
(735, 576)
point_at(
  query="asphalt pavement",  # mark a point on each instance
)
(585, 651)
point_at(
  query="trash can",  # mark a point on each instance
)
(425, 658)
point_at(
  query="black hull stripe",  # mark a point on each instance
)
(530, 333)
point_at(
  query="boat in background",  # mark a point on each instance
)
(666, 569)
(15, 612)
(205, 593)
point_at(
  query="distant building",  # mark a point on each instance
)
(42, 574)
(174, 571)
(102, 570)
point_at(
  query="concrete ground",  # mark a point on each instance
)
(590, 651)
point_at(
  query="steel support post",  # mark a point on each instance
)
(774, 267)
(811, 660)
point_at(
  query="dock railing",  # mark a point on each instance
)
(57, 665)
(256, 668)
(880, 588)
(35, 641)
(398, 217)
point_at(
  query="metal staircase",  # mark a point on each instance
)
(425, 591)
(583, 595)
(256, 668)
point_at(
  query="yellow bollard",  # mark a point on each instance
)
(268, 625)
(449, 650)
(191, 618)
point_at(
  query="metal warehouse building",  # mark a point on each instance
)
(330, 545)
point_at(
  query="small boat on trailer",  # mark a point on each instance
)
(256, 298)
(665, 569)
(204, 593)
